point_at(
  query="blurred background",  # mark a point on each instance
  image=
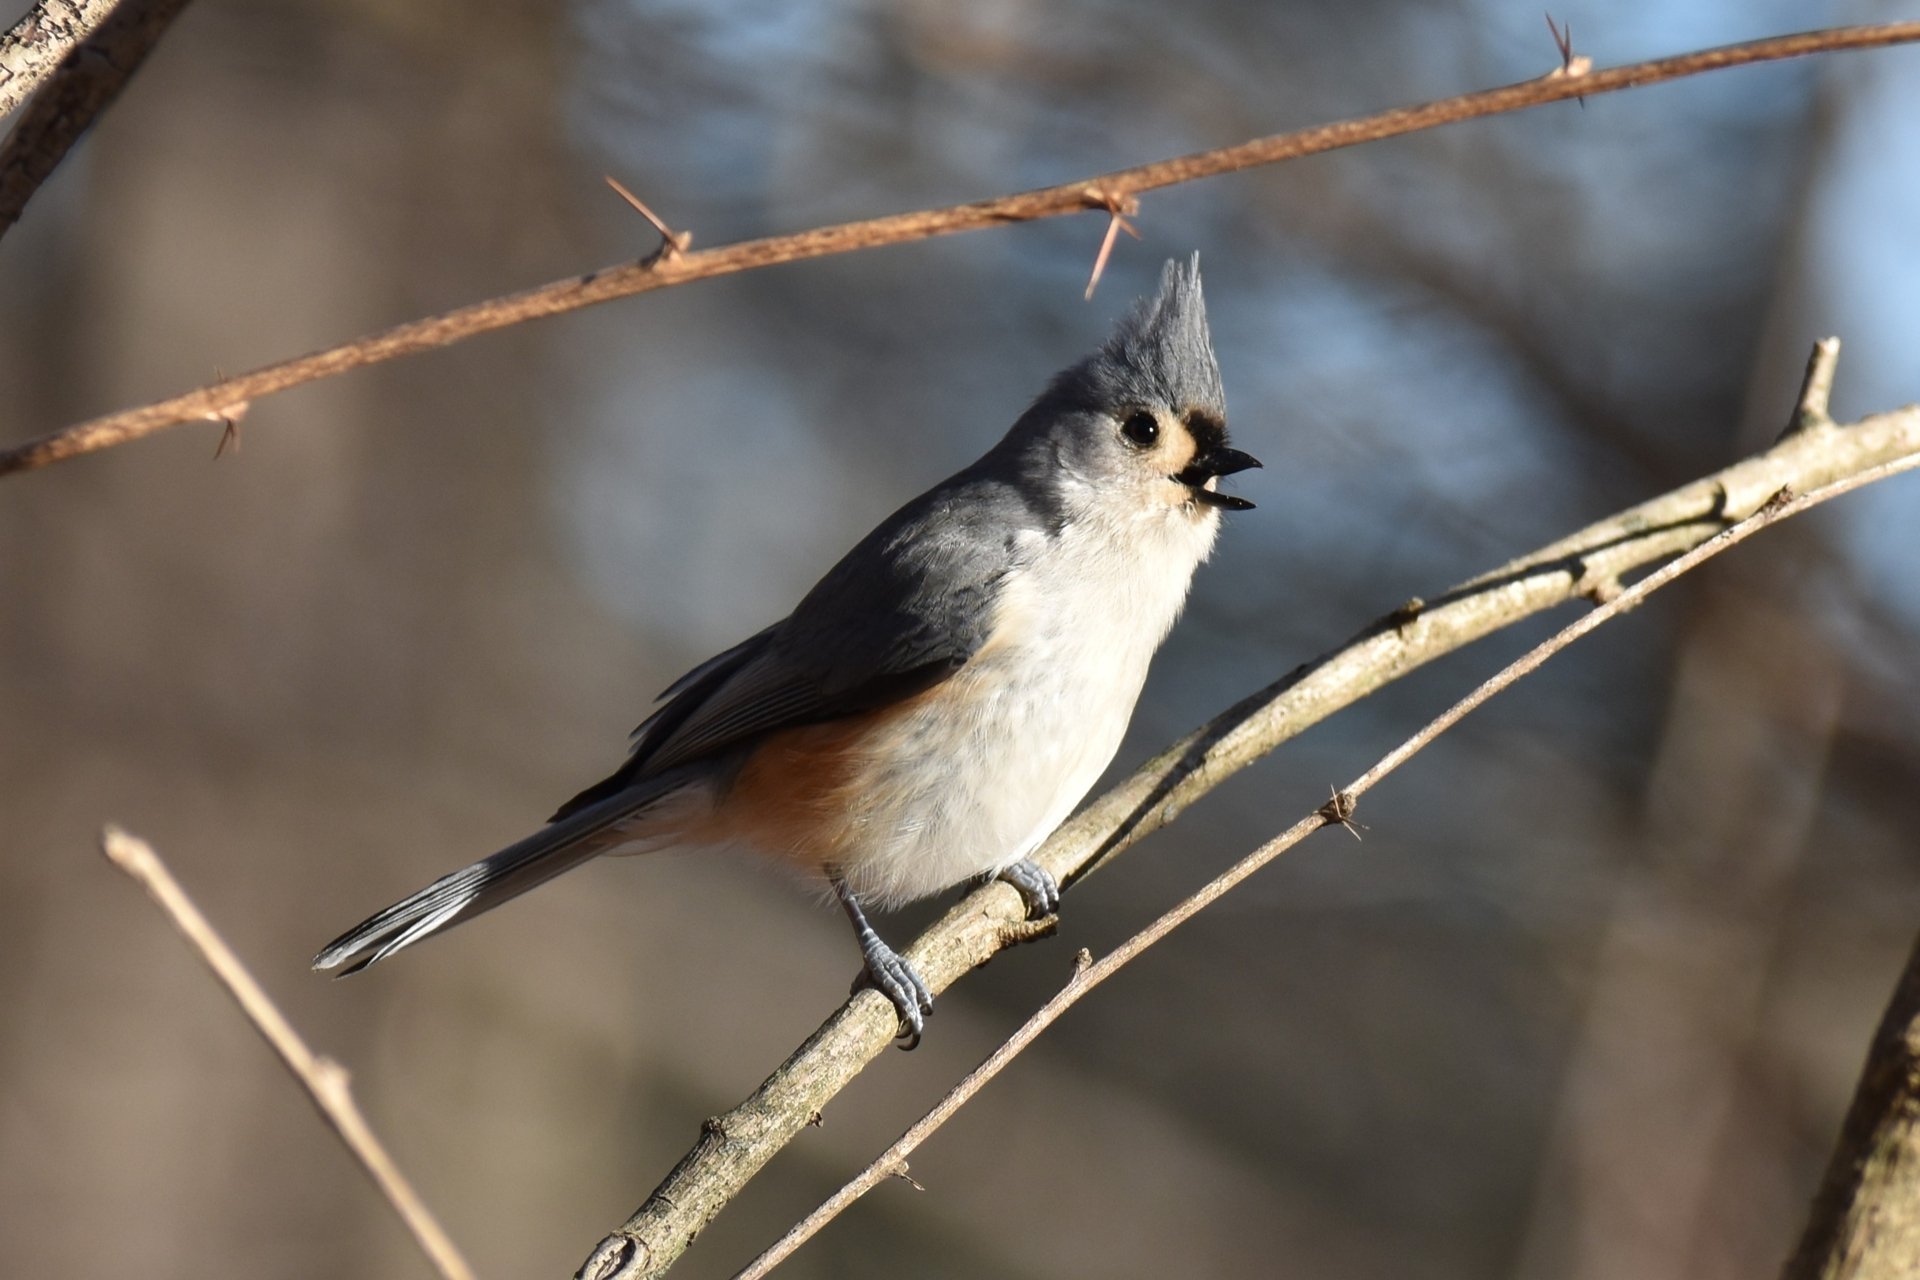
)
(1587, 1001)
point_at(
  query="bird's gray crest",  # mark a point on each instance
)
(1160, 353)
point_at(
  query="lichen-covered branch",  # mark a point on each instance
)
(80, 88)
(34, 46)
(1590, 563)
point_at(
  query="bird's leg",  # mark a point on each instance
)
(1037, 887)
(888, 970)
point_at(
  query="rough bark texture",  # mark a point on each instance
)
(1866, 1217)
(79, 89)
(34, 45)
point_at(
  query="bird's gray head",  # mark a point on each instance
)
(1141, 424)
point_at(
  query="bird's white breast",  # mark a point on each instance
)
(976, 774)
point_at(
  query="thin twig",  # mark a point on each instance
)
(1783, 504)
(324, 1079)
(733, 1147)
(630, 278)
(1336, 812)
(1816, 388)
(83, 86)
(34, 46)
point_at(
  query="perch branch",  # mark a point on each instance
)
(1865, 1223)
(1338, 811)
(733, 1147)
(324, 1079)
(81, 87)
(210, 403)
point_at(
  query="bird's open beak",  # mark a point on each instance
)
(1206, 467)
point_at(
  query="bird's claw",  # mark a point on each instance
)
(1036, 886)
(889, 973)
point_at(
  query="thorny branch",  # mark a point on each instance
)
(1588, 564)
(213, 402)
(324, 1079)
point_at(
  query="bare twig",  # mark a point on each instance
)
(1865, 1223)
(324, 1079)
(83, 86)
(623, 280)
(1782, 504)
(733, 1147)
(1810, 409)
(33, 46)
(1336, 812)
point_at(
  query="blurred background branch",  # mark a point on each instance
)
(230, 397)
(324, 1079)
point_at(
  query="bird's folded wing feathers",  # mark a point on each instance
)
(920, 616)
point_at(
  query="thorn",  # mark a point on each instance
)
(672, 243)
(228, 417)
(1572, 65)
(1338, 811)
(1117, 207)
(900, 1171)
(1562, 40)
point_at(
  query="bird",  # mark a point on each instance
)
(944, 697)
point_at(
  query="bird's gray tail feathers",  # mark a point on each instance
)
(464, 894)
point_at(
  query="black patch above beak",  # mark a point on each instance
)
(1220, 461)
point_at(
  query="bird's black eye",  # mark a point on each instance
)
(1141, 428)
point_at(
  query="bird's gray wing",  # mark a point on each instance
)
(901, 612)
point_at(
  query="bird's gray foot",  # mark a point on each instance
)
(895, 979)
(1037, 887)
(889, 972)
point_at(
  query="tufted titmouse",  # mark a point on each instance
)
(943, 698)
